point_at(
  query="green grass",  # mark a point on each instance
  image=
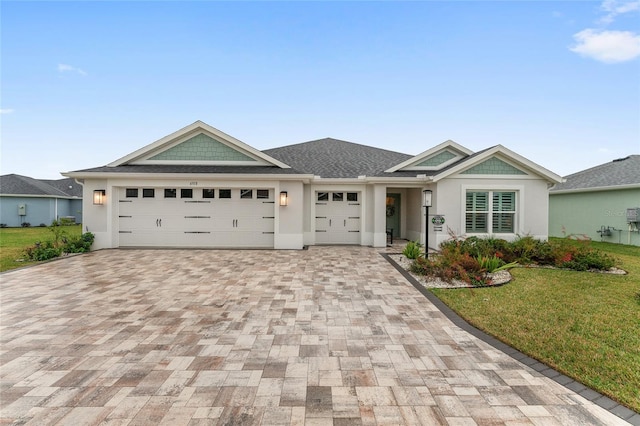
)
(13, 241)
(585, 325)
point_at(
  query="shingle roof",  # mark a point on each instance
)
(620, 172)
(13, 184)
(333, 158)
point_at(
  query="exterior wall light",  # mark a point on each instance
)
(98, 196)
(284, 198)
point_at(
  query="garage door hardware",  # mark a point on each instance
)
(198, 202)
(197, 217)
(124, 216)
(126, 201)
(268, 217)
(197, 232)
(159, 223)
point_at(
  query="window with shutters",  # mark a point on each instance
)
(490, 212)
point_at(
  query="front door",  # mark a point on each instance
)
(393, 214)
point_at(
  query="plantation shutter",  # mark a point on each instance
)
(477, 209)
(504, 208)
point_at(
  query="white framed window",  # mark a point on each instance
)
(490, 212)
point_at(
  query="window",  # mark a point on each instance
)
(323, 196)
(338, 196)
(504, 211)
(170, 193)
(246, 194)
(208, 193)
(131, 192)
(497, 216)
(186, 193)
(352, 196)
(262, 194)
(148, 193)
(224, 193)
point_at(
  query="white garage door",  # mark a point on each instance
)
(338, 217)
(196, 217)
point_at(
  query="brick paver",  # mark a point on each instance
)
(325, 336)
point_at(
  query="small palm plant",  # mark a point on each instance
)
(412, 250)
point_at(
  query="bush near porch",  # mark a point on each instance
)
(470, 259)
(582, 324)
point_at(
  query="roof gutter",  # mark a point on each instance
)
(594, 189)
(158, 176)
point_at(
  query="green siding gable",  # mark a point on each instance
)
(493, 166)
(436, 160)
(201, 148)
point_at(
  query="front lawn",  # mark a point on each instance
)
(584, 324)
(14, 241)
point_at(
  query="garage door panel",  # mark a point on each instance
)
(338, 218)
(178, 222)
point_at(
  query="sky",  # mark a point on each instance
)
(84, 83)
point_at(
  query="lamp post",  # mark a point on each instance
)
(426, 203)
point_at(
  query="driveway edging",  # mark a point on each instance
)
(589, 394)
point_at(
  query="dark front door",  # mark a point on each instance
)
(393, 214)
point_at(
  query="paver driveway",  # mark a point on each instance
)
(324, 336)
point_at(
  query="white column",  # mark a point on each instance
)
(380, 216)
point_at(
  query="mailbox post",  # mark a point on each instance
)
(426, 203)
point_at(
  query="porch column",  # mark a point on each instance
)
(380, 216)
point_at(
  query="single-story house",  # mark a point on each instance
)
(199, 187)
(38, 201)
(601, 203)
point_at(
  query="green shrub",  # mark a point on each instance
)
(451, 264)
(586, 258)
(79, 244)
(42, 251)
(412, 250)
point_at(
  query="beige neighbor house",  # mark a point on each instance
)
(199, 187)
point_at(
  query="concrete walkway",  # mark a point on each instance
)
(328, 336)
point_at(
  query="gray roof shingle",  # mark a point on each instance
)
(620, 172)
(13, 184)
(333, 158)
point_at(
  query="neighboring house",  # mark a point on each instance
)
(595, 203)
(200, 187)
(34, 201)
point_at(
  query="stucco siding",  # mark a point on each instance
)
(582, 214)
(39, 210)
(531, 205)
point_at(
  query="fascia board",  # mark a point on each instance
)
(509, 155)
(366, 179)
(594, 189)
(158, 176)
(192, 128)
(60, 197)
(446, 144)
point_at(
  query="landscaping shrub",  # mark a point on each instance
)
(25, 224)
(42, 251)
(412, 250)
(81, 244)
(470, 259)
(451, 264)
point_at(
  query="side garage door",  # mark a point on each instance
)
(196, 217)
(338, 217)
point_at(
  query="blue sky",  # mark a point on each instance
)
(85, 83)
